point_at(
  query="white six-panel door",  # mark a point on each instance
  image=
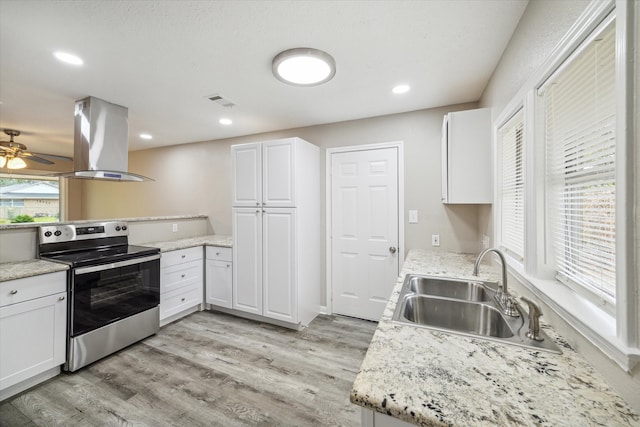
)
(364, 230)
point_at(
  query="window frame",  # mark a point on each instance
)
(615, 332)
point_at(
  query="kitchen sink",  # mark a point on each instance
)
(463, 307)
(449, 288)
(461, 316)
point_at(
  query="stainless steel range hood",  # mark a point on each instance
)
(101, 142)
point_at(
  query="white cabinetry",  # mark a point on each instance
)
(276, 230)
(33, 330)
(218, 288)
(181, 282)
(466, 157)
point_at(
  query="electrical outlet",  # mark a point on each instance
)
(435, 240)
(413, 217)
(174, 227)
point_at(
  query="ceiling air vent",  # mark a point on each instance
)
(219, 99)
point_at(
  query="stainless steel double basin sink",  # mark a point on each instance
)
(463, 307)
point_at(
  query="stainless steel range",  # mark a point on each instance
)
(114, 287)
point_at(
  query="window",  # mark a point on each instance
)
(580, 142)
(29, 199)
(511, 147)
(578, 151)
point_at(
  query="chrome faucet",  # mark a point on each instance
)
(505, 302)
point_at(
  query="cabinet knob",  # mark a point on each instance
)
(13, 291)
(61, 299)
(217, 253)
(228, 266)
(184, 256)
(257, 204)
(183, 299)
(182, 276)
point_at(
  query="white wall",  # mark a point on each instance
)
(542, 26)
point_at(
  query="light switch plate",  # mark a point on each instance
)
(435, 240)
(413, 217)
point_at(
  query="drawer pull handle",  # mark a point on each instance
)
(61, 299)
(13, 291)
(183, 276)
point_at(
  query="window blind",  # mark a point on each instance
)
(580, 140)
(512, 185)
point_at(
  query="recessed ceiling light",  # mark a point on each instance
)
(68, 58)
(145, 136)
(401, 89)
(225, 121)
(303, 66)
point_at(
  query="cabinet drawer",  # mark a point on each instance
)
(28, 288)
(180, 256)
(180, 299)
(218, 253)
(180, 275)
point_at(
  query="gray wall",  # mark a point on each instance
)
(541, 28)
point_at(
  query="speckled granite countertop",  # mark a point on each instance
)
(34, 267)
(22, 269)
(174, 245)
(89, 221)
(434, 378)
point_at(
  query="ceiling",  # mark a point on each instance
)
(162, 59)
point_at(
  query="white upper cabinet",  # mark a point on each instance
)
(278, 186)
(466, 157)
(247, 175)
(264, 173)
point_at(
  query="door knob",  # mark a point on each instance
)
(392, 249)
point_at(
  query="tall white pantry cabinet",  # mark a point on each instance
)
(276, 229)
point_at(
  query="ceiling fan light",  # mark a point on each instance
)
(303, 67)
(3, 161)
(16, 163)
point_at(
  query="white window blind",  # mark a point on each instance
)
(580, 140)
(511, 137)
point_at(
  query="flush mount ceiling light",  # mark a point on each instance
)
(225, 121)
(68, 58)
(303, 66)
(146, 136)
(401, 89)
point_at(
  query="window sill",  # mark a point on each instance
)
(591, 321)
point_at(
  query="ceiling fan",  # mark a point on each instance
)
(12, 153)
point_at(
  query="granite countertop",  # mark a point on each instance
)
(33, 267)
(90, 221)
(434, 378)
(191, 242)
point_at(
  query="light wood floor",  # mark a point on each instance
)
(210, 369)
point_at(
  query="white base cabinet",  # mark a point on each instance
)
(181, 281)
(218, 277)
(375, 419)
(33, 330)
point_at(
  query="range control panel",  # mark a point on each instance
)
(69, 232)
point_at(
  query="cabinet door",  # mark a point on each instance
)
(218, 279)
(278, 184)
(33, 336)
(279, 264)
(247, 260)
(246, 161)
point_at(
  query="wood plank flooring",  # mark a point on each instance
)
(210, 369)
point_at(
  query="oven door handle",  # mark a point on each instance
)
(93, 269)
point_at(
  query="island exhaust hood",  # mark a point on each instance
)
(101, 142)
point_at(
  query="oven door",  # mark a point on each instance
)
(104, 294)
